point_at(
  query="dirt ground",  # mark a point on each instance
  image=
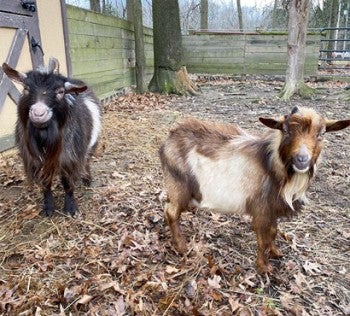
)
(115, 257)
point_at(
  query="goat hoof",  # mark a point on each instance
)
(86, 181)
(47, 211)
(70, 208)
(265, 268)
(180, 247)
(275, 253)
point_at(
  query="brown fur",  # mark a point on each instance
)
(270, 183)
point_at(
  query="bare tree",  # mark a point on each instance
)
(130, 10)
(136, 7)
(297, 27)
(190, 15)
(95, 5)
(170, 74)
(274, 13)
(204, 14)
(240, 15)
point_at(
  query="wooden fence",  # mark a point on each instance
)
(264, 54)
(102, 50)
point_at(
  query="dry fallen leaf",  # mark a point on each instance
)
(312, 268)
(191, 288)
(215, 281)
(234, 304)
(120, 306)
(84, 300)
(171, 269)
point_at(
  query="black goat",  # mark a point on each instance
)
(57, 129)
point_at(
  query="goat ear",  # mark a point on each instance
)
(14, 74)
(272, 123)
(74, 87)
(333, 126)
(52, 65)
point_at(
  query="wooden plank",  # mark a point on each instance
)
(214, 61)
(12, 59)
(66, 37)
(74, 13)
(6, 142)
(202, 69)
(36, 54)
(16, 47)
(16, 8)
(14, 21)
(214, 54)
(214, 44)
(93, 54)
(265, 58)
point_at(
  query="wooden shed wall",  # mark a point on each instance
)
(102, 50)
(52, 42)
(264, 54)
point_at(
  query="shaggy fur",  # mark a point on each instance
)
(225, 169)
(57, 130)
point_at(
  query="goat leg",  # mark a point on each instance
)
(265, 233)
(172, 215)
(49, 204)
(86, 176)
(70, 205)
(275, 253)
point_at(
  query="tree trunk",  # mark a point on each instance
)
(170, 75)
(95, 5)
(332, 23)
(337, 26)
(274, 15)
(240, 15)
(130, 10)
(297, 28)
(104, 7)
(204, 15)
(139, 46)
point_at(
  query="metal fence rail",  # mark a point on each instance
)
(335, 51)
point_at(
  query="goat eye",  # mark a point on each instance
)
(321, 134)
(25, 90)
(60, 93)
(285, 130)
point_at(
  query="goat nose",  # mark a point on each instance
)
(302, 158)
(38, 112)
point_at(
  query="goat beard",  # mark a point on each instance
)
(44, 146)
(291, 170)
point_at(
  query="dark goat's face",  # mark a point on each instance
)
(302, 133)
(45, 95)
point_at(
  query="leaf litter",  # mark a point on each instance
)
(115, 257)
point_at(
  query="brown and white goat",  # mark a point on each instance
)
(225, 169)
(57, 129)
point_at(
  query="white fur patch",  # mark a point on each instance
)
(96, 121)
(225, 184)
(296, 188)
(70, 99)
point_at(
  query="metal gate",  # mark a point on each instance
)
(335, 48)
(20, 16)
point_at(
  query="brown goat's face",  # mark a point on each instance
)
(302, 141)
(302, 133)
